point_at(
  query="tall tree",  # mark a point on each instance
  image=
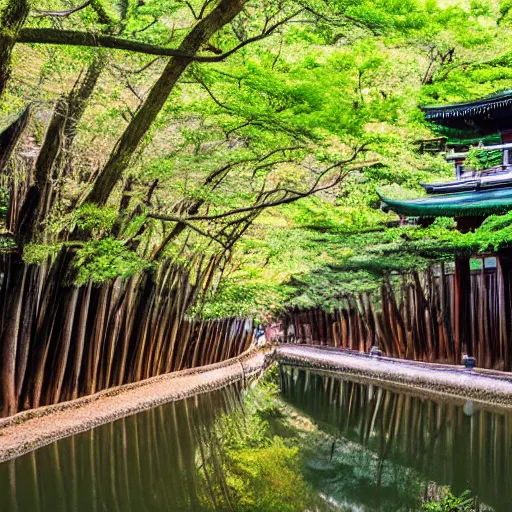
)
(12, 19)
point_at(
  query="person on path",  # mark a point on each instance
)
(260, 336)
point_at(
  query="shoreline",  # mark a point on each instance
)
(455, 384)
(35, 428)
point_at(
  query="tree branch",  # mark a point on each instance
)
(60, 14)
(289, 196)
(135, 71)
(79, 38)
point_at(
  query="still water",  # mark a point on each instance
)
(295, 441)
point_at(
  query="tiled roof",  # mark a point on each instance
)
(474, 108)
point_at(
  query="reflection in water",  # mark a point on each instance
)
(325, 444)
(146, 462)
(449, 444)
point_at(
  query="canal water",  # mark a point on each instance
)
(294, 441)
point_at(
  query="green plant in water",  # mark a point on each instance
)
(448, 502)
(267, 479)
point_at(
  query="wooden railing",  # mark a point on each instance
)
(457, 156)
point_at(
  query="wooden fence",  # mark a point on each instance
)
(61, 342)
(424, 317)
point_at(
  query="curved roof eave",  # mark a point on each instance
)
(469, 108)
(459, 204)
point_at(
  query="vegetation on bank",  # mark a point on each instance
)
(272, 456)
(266, 159)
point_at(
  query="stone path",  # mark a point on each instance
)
(32, 429)
(424, 378)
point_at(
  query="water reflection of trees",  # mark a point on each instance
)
(375, 449)
(449, 443)
(215, 451)
(148, 462)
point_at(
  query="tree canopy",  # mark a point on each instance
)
(255, 133)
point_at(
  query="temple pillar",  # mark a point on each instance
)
(462, 290)
(459, 164)
(506, 136)
(504, 302)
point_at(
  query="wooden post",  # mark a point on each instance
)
(459, 163)
(504, 285)
(506, 136)
(462, 304)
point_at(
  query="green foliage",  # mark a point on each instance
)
(89, 218)
(448, 502)
(251, 469)
(94, 219)
(6, 243)
(104, 259)
(478, 159)
(267, 479)
(39, 253)
(272, 117)
(4, 203)
(244, 299)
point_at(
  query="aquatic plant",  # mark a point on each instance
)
(448, 502)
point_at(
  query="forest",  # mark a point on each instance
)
(166, 164)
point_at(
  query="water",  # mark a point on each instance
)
(315, 443)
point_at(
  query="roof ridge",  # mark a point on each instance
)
(477, 106)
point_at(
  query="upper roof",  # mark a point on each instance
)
(485, 115)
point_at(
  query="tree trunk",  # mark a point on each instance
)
(122, 154)
(39, 193)
(59, 139)
(462, 292)
(9, 339)
(77, 103)
(12, 20)
(10, 137)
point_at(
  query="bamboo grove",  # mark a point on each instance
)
(63, 342)
(162, 135)
(414, 317)
(405, 430)
(64, 335)
(67, 328)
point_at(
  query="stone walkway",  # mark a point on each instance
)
(32, 429)
(428, 379)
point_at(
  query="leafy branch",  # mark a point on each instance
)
(94, 40)
(288, 195)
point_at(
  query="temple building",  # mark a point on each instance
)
(477, 138)
(479, 131)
